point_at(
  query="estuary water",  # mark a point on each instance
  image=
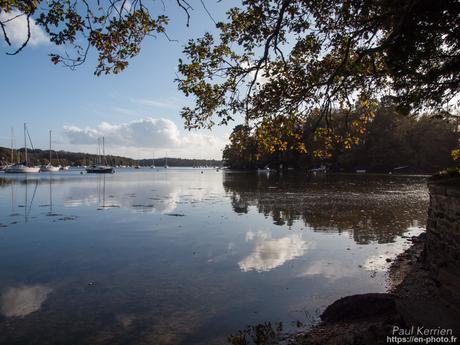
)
(191, 256)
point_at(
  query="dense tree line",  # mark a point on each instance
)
(388, 142)
(66, 158)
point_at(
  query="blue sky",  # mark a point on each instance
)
(137, 110)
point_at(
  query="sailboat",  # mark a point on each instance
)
(23, 167)
(166, 163)
(153, 162)
(50, 167)
(100, 168)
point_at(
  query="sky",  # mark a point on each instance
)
(136, 111)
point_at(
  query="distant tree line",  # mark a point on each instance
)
(65, 158)
(387, 142)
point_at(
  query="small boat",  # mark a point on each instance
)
(153, 162)
(266, 169)
(23, 167)
(100, 168)
(166, 163)
(50, 167)
(321, 170)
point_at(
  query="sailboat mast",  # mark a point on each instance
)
(50, 146)
(12, 145)
(99, 151)
(103, 149)
(25, 142)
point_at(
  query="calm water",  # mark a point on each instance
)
(183, 257)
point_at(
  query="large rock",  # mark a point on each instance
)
(357, 307)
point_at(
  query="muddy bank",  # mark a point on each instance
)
(415, 299)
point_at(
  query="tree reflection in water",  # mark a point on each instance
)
(369, 207)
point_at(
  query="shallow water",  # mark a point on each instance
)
(177, 256)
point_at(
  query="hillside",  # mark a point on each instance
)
(38, 156)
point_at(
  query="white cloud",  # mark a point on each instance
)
(16, 29)
(262, 77)
(140, 138)
(270, 253)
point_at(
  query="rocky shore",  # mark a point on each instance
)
(415, 299)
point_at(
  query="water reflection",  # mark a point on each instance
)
(269, 253)
(180, 257)
(369, 208)
(330, 269)
(28, 197)
(24, 300)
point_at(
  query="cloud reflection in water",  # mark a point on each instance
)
(270, 253)
(24, 300)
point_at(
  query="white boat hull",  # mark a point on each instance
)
(22, 170)
(50, 169)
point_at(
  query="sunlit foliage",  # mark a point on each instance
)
(296, 60)
(386, 141)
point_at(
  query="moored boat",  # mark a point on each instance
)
(23, 167)
(100, 168)
(50, 167)
(153, 162)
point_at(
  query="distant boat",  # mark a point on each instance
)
(23, 167)
(265, 169)
(153, 162)
(321, 170)
(166, 163)
(100, 168)
(50, 167)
